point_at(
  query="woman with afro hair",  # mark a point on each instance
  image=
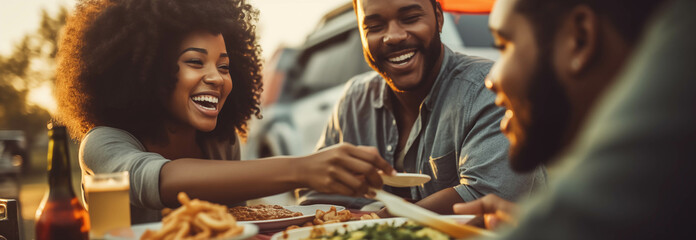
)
(163, 89)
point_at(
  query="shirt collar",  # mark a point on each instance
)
(383, 94)
(429, 100)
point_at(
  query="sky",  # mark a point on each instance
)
(281, 22)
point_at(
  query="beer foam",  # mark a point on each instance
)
(105, 186)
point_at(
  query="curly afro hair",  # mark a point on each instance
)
(117, 62)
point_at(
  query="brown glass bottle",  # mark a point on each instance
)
(60, 215)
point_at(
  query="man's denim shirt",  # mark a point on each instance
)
(456, 138)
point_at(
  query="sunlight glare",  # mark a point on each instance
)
(43, 97)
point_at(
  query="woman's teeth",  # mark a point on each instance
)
(206, 101)
(402, 59)
(205, 98)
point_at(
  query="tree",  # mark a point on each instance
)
(31, 64)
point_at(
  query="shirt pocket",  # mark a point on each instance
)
(444, 169)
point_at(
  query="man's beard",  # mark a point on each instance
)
(431, 53)
(550, 116)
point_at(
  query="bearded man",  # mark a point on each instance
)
(426, 109)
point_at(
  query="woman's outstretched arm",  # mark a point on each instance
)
(341, 169)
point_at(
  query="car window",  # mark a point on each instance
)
(286, 59)
(331, 64)
(473, 30)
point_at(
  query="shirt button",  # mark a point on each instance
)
(393, 122)
(389, 148)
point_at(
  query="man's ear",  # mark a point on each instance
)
(581, 43)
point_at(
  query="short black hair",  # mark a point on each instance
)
(628, 17)
(117, 63)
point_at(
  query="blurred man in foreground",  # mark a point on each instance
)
(629, 173)
(426, 109)
(555, 63)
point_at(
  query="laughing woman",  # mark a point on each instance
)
(163, 88)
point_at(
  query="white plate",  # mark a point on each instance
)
(135, 231)
(405, 179)
(303, 233)
(307, 211)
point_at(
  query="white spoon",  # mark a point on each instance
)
(405, 179)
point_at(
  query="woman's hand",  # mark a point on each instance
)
(343, 169)
(495, 210)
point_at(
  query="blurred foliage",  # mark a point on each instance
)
(30, 65)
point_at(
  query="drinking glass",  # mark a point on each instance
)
(108, 202)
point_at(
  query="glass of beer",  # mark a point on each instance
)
(108, 202)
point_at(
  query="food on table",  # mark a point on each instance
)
(195, 219)
(261, 212)
(406, 231)
(369, 216)
(332, 216)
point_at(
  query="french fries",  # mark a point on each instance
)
(195, 219)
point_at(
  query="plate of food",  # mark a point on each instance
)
(274, 217)
(194, 219)
(396, 228)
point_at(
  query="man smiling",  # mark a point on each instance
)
(556, 62)
(550, 73)
(426, 109)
